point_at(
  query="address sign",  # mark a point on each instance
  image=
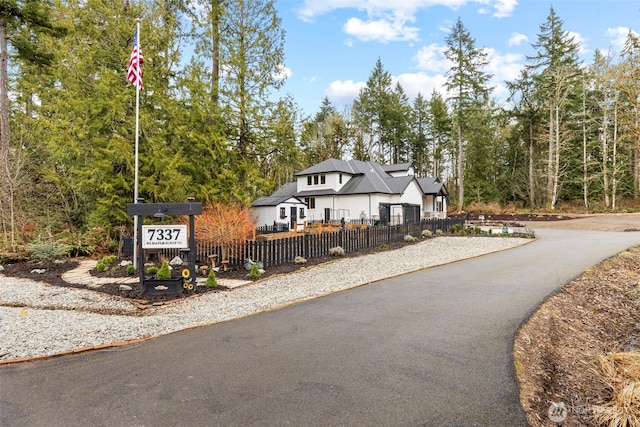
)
(164, 236)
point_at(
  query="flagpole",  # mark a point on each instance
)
(135, 184)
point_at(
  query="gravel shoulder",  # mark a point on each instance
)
(41, 320)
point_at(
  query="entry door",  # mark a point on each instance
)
(327, 214)
(293, 216)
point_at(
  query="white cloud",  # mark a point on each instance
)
(380, 30)
(387, 19)
(517, 39)
(415, 83)
(618, 37)
(283, 73)
(431, 58)
(581, 41)
(342, 93)
(504, 8)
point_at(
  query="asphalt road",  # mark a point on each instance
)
(432, 348)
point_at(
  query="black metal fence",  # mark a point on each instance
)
(273, 252)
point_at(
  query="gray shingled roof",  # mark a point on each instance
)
(366, 178)
(432, 185)
(397, 167)
(330, 165)
(289, 189)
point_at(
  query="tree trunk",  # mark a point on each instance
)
(532, 182)
(550, 161)
(585, 169)
(5, 134)
(215, 55)
(460, 170)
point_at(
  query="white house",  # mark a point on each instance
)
(281, 207)
(363, 191)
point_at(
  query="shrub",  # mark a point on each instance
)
(383, 246)
(108, 259)
(48, 251)
(336, 251)
(477, 230)
(211, 280)
(438, 232)
(409, 238)
(255, 273)
(164, 272)
(455, 228)
(152, 270)
(101, 267)
(131, 270)
(426, 233)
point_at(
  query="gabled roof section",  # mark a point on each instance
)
(432, 185)
(289, 189)
(397, 167)
(328, 166)
(275, 201)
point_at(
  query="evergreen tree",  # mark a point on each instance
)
(557, 70)
(371, 110)
(467, 85)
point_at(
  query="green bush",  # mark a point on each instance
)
(108, 259)
(455, 228)
(101, 267)
(438, 232)
(131, 270)
(254, 274)
(426, 233)
(152, 270)
(211, 280)
(164, 272)
(48, 251)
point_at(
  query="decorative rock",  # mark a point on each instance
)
(94, 286)
(125, 263)
(1, 268)
(176, 261)
(125, 288)
(58, 261)
(300, 260)
(38, 271)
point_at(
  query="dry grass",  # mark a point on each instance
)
(582, 348)
(621, 372)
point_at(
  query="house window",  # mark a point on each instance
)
(340, 179)
(309, 180)
(315, 179)
(323, 179)
(311, 202)
(283, 213)
(301, 214)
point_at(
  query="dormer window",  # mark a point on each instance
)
(309, 180)
(323, 179)
(315, 179)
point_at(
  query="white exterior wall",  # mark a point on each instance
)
(412, 194)
(429, 206)
(332, 182)
(267, 215)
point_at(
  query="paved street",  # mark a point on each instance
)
(429, 348)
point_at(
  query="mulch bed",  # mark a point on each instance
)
(53, 272)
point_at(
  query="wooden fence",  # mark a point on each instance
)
(273, 252)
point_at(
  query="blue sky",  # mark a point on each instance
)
(332, 45)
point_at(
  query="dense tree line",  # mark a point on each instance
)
(212, 128)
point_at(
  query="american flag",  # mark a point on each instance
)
(134, 73)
